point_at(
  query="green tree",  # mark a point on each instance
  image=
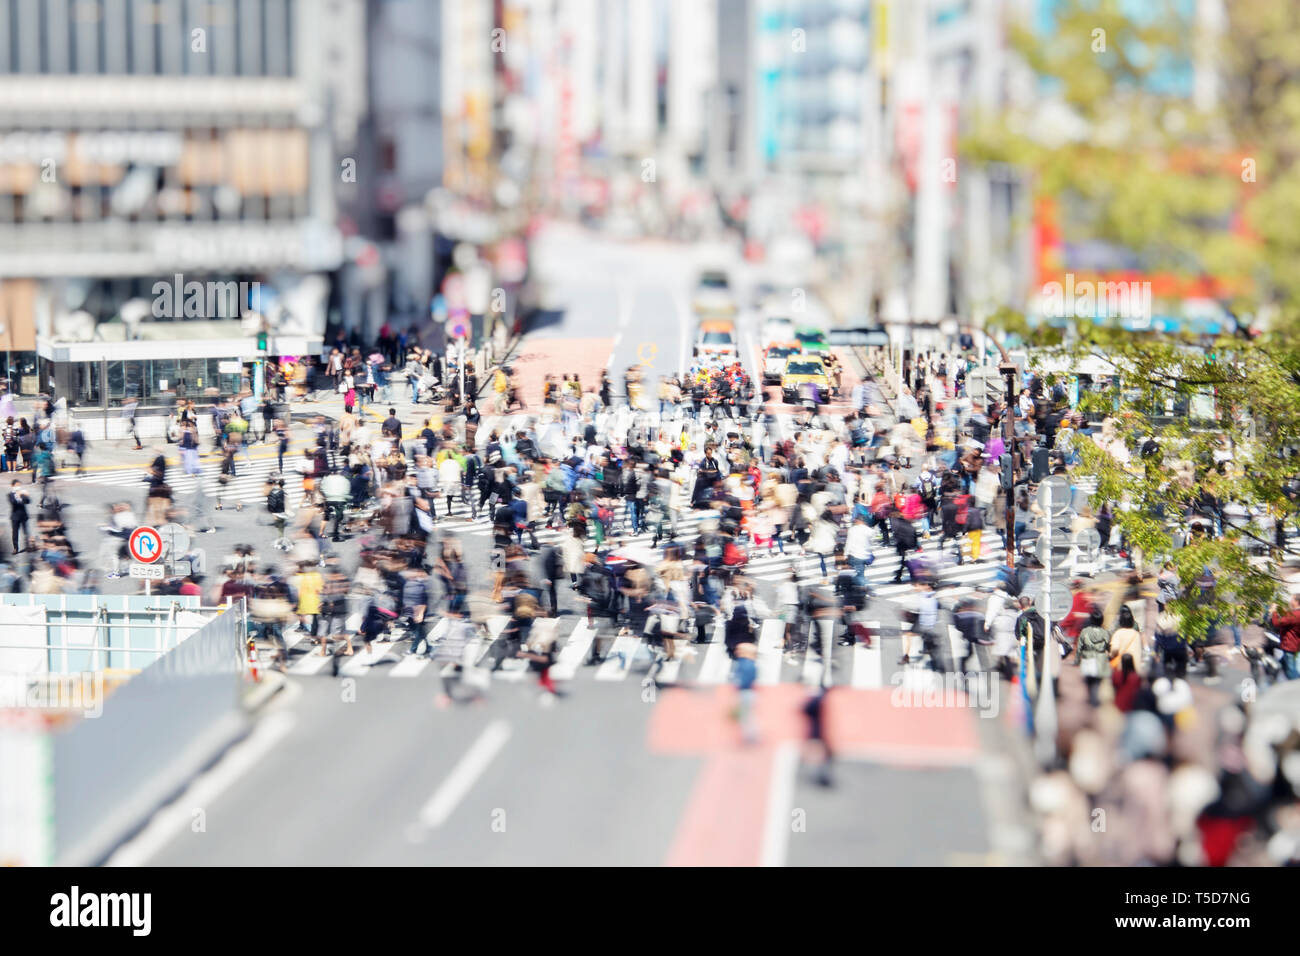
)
(1233, 436)
(1135, 163)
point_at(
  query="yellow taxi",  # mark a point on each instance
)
(804, 376)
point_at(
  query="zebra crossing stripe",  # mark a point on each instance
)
(618, 659)
(309, 664)
(770, 642)
(716, 666)
(574, 652)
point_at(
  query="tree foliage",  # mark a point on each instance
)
(1139, 164)
(1169, 471)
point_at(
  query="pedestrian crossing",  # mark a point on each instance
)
(248, 485)
(627, 658)
(771, 565)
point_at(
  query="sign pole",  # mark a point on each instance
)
(1009, 441)
(1045, 719)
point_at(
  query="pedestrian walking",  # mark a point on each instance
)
(18, 516)
(744, 674)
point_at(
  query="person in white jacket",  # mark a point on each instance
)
(449, 480)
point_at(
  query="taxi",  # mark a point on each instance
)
(716, 339)
(775, 357)
(804, 376)
(813, 341)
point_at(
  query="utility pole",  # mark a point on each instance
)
(1007, 463)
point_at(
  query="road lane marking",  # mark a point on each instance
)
(867, 664)
(463, 776)
(780, 797)
(410, 666)
(204, 791)
(769, 651)
(624, 297)
(717, 665)
(574, 652)
(618, 659)
(313, 662)
(683, 320)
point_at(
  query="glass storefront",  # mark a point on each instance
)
(20, 371)
(161, 381)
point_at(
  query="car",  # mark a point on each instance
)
(716, 338)
(774, 360)
(713, 294)
(777, 329)
(802, 371)
(813, 341)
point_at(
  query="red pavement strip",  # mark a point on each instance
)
(538, 358)
(724, 820)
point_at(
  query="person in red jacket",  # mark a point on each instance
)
(1127, 684)
(1080, 611)
(1288, 630)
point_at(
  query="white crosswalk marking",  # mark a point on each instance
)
(361, 661)
(868, 669)
(574, 652)
(770, 641)
(618, 659)
(701, 665)
(412, 666)
(716, 666)
(248, 485)
(671, 670)
(310, 663)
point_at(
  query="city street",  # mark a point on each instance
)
(688, 433)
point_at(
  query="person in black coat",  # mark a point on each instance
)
(904, 535)
(18, 516)
(951, 529)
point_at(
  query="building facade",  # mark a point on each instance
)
(155, 144)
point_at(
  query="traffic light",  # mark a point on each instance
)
(261, 341)
(1007, 472)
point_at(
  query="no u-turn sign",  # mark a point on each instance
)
(145, 545)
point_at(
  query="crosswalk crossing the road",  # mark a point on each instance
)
(248, 485)
(628, 658)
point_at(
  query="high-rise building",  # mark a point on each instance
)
(157, 147)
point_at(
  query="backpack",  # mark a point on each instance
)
(275, 501)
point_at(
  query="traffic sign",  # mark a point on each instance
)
(145, 545)
(176, 540)
(1061, 599)
(1054, 552)
(1088, 541)
(1057, 489)
(150, 572)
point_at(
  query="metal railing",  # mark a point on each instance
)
(115, 638)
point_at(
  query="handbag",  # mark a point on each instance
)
(1090, 666)
(270, 609)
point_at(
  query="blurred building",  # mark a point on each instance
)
(151, 144)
